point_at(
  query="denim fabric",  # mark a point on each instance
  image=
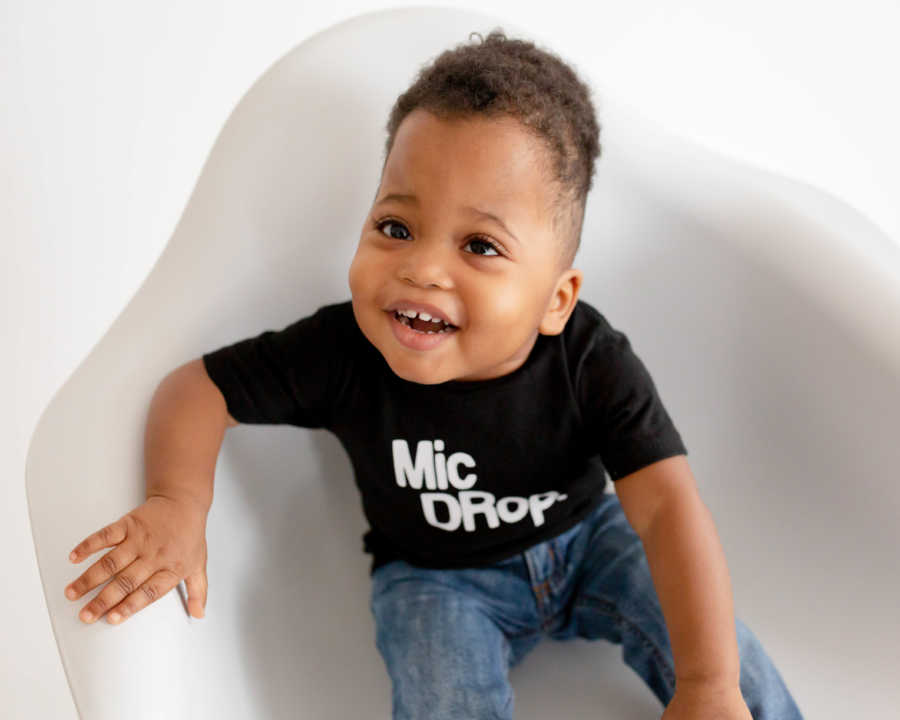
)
(449, 637)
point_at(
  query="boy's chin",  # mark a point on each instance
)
(419, 373)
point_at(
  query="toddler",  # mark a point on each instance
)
(482, 405)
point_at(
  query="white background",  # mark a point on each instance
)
(110, 108)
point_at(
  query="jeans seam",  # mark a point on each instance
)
(607, 608)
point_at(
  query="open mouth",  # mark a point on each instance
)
(429, 326)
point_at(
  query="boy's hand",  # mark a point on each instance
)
(157, 544)
(706, 703)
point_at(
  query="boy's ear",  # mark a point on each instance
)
(562, 302)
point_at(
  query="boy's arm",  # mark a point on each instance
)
(163, 540)
(185, 427)
(688, 566)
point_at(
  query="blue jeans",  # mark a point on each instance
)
(449, 637)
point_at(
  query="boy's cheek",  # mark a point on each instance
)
(362, 272)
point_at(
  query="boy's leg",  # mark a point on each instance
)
(616, 600)
(439, 633)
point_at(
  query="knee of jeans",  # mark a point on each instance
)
(752, 654)
(443, 701)
(445, 657)
(438, 622)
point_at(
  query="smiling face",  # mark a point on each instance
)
(430, 248)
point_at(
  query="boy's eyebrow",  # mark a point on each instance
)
(413, 200)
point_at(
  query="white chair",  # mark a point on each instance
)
(767, 313)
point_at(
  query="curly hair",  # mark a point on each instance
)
(501, 76)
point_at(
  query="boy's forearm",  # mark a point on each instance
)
(185, 427)
(690, 574)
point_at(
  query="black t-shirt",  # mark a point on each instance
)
(460, 473)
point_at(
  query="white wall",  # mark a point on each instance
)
(111, 107)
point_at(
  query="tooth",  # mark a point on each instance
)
(408, 313)
(424, 316)
(429, 332)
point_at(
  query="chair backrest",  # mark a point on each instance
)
(697, 258)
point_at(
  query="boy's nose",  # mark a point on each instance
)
(425, 267)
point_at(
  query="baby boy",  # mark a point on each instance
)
(482, 405)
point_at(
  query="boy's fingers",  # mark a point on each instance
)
(151, 590)
(196, 589)
(112, 534)
(113, 562)
(119, 587)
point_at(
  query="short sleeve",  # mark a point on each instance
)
(625, 420)
(279, 376)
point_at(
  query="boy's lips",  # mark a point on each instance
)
(415, 339)
(432, 310)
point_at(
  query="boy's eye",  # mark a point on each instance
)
(390, 233)
(482, 247)
(487, 247)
